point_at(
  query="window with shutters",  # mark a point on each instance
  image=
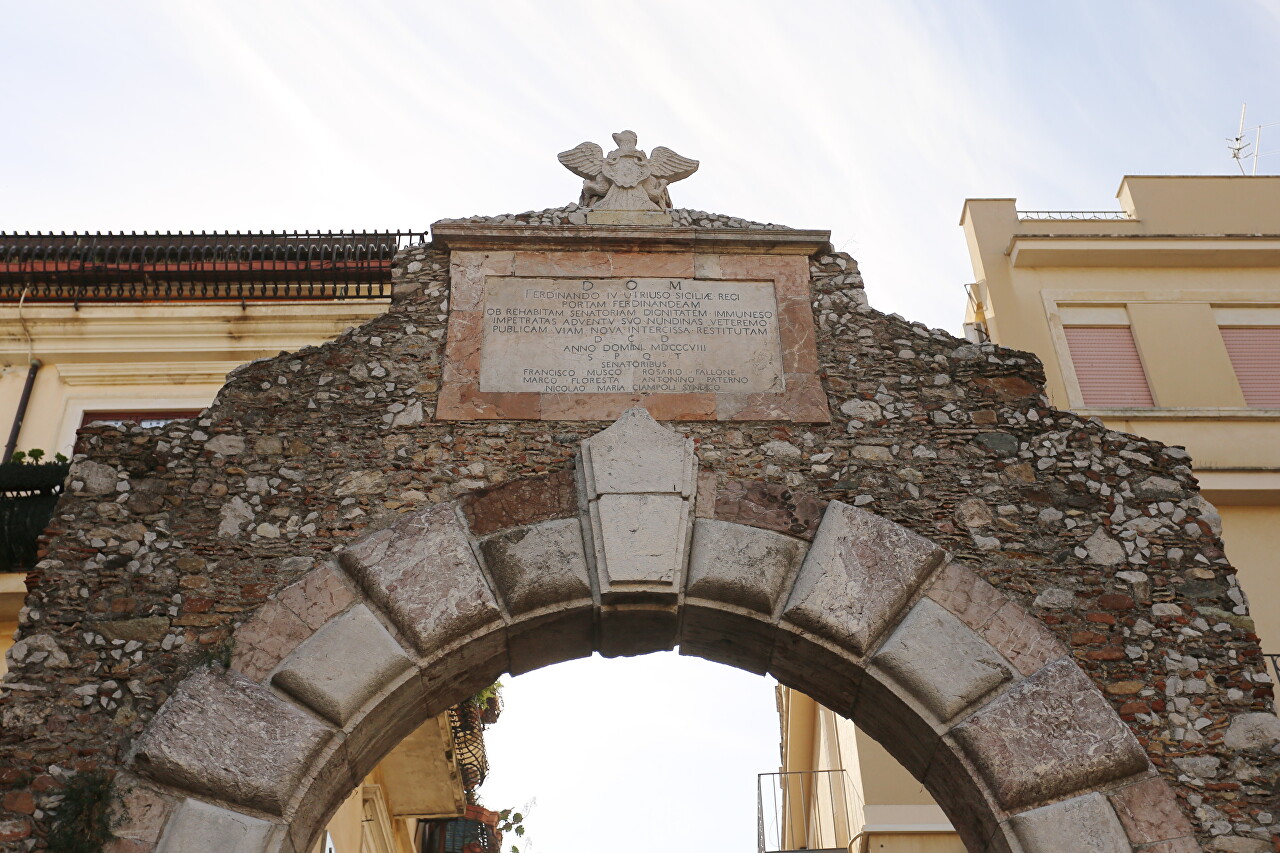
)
(1108, 367)
(1255, 355)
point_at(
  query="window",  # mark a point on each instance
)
(142, 417)
(1255, 355)
(1108, 367)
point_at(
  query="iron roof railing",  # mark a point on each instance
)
(1083, 215)
(243, 266)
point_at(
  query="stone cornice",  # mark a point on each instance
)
(639, 238)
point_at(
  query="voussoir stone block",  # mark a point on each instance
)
(1150, 812)
(859, 572)
(224, 735)
(199, 827)
(1049, 735)
(1082, 825)
(343, 665)
(422, 572)
(743, 566)
(941, 662)
(521, 502)
(539, 565)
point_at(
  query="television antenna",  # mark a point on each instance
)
(1239, 147)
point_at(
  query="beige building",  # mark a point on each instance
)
(144, 328)
(1161, 318)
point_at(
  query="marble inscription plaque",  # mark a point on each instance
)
(646, 335)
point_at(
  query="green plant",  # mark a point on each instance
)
(82, 823)
(481, 699)
(511, 822)
(35, 456)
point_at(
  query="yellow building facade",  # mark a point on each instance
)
(1161, 318)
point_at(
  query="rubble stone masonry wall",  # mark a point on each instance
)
(169, 538)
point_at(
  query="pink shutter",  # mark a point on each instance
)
(1255, 354)
(1108, 367)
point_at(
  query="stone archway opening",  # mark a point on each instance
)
(963, 687)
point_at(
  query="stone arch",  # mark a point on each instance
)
(974, 695)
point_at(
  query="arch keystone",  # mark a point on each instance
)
(639, 479)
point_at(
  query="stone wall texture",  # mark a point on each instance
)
(196, 560)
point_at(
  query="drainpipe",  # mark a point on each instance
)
(12, 443)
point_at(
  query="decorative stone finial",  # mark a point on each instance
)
(627, 179)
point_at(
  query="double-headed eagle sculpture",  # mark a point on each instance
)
(627, 179)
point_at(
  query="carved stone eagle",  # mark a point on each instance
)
(627, 179)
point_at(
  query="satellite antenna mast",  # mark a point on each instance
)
(1238, 147)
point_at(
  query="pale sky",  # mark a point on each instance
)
(873, 119)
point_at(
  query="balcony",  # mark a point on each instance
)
(474, 832)
(28, 494)
(810, 810)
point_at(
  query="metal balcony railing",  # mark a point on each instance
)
(468, 746)
(1274, 661)
(805, 810)
(28, 495)
(1070, 215)
(291, 265)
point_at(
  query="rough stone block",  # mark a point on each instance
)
(956, 786)
(805, 664)
(521, 502)
(553, 638)
(140, 813)
(423, 573)
(1023, 640)
(770, 506)
(267, 638)
(328, 783)
(394, 712)
(635, 455)
(231, 738)
(743, 566)
(896, 724)
(728, 637)
(1253, 731)
(940, 662)
(318, 596)
(343, 665)
(857, 576)
(538, 566)
(198, 827)
(1150, 812)
(637, 629)
(1047, 736)
(969, 597)
(640, 540)
(465, 671)
(1082, 825)
(1178, 845)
